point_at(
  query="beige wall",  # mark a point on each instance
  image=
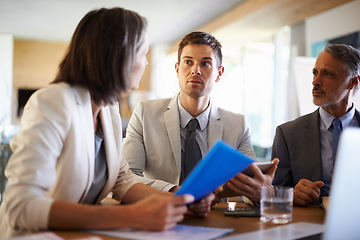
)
(36, 64)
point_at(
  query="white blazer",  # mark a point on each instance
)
(53, 157)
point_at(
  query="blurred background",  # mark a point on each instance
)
(269, 49)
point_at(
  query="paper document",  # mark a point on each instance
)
(285, 232)
(218, 166)
(39, 236)
(178, 232)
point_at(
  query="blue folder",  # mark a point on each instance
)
(221, 164)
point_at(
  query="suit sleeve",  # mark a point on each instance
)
(134, 151)
(283, 174)
(133, 144)
(245, 145)
(31, 170)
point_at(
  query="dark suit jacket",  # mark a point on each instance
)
(297, 145)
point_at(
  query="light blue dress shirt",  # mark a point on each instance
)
(202, 133)
(348, 119)
(100, 169)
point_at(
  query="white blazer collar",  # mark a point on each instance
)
(112, 134)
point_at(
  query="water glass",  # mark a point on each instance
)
(276, 204)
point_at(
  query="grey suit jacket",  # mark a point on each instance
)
(297, 145)
(152, 145)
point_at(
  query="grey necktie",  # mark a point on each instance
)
(336, 130)
(192, 153)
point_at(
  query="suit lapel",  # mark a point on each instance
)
(82, 97)
(215, 126)
(172, 124)
(312, 138)
(357, 114)
(111, 149)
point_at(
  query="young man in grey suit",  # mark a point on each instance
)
(304, 146)
(155, 140)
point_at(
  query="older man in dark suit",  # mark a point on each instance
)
(305, 146)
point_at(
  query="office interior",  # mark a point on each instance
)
(269, 49)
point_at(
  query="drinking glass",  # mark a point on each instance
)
(276, 204)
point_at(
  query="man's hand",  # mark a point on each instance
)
(306, 192)
(217, 198)
(202, 207)
(244, 185)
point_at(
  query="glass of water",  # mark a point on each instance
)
(276, 204)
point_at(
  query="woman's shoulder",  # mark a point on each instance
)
(62, 93)
(53, 91)
(58, 98)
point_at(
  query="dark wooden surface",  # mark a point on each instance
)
(216, 218)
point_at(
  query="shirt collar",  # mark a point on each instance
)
(185, 117)
(327, 118)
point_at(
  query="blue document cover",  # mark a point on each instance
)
(218, 166)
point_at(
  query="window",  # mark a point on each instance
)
(255, 83)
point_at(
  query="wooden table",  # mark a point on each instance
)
(216, 218)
